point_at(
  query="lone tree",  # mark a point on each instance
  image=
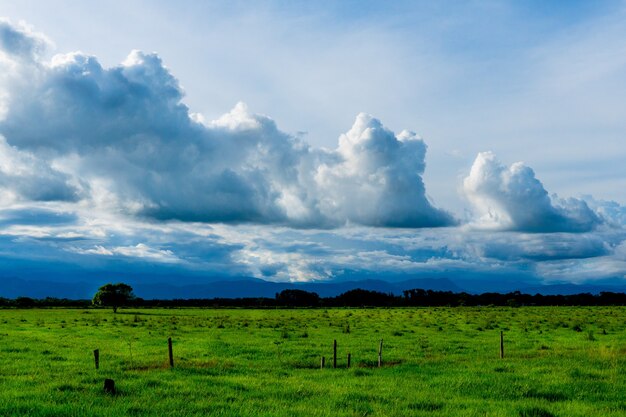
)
(113, 295)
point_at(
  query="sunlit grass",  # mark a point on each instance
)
(563, 361)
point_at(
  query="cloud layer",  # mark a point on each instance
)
(106, 169)
(69, 246)
(126, 140)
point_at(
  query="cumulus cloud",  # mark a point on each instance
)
(126, 137)
(512, 198)
(20, 41)
(611, 212)
(375, 179)
(20, 50)
(25, 177)
(91, 156)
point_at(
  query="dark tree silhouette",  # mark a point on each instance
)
(297, 298)
(113, 295)
(25, 302)
(360, 297)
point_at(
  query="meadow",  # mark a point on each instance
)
(559, 361)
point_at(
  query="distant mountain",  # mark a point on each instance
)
(11, 287)
(245, 287)
(259, 288)
(236, 288)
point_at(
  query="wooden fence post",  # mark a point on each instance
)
(501, 345)
(335, 354)
(323, 363)
(96, 358)
(109, 386)
(349, 359)
(380, 353)
(169, 348)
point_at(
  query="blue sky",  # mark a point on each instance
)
(297, 141)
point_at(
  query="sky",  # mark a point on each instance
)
(313, 141)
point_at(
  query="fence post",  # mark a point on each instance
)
(501, 344)
(109, 386)
(349, 359)
(323, 363)
(169, 348)
(380, 353)
(96, 358)
(335, 353)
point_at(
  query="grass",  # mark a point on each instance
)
(565, 361)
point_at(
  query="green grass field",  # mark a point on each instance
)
(565, 361)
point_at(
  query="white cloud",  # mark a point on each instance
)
(280, 266)
(611, 212)
(141, 251)
(89, 239)
(511, 198)
(376, 179)
(21, 41)
(125, 134)
(144, 176)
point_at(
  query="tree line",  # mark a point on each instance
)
(352, 298)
